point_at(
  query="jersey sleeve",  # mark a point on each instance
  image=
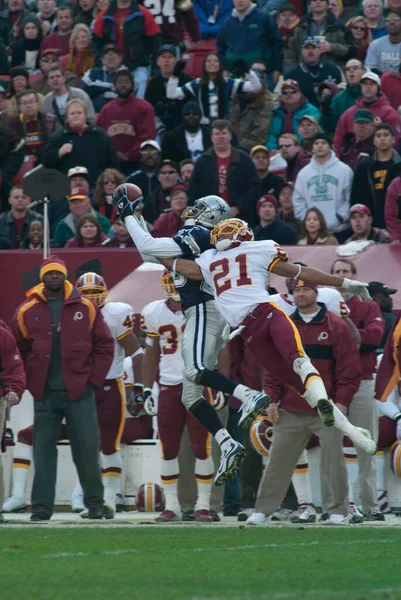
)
(148, 324)
(123, 322)
(193, 241)
(272, 253)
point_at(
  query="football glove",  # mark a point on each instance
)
(149, 403)
(135, 405)
(220, 400)
(124, 206)
(357, 288)
(12, 398)
(225, 334)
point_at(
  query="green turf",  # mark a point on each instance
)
(199, 563)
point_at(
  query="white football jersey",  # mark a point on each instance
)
(160, 321)
(128, 372)
(330, 297)
(239, 276)
(120, 319)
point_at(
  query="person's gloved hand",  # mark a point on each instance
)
(179, 67)
(240, 67)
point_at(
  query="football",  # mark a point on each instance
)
(133, 191)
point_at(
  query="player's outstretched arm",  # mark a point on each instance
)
(146, 244)
(187, 268)
(311, 275)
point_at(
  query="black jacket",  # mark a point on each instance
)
(174, 145)
(147, 184)
(12, 153)
(168, 111)
(92, 149)
(7, 226)
(243, 183)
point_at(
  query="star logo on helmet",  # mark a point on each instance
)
(221, 209)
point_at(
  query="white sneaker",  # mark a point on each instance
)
(306, 513)
(284, 514)
(355, 513)
(256, 519)
(338, 520)
(14, 504)
(256, 403)
(230, 461)
(77, 503)
(362, 438)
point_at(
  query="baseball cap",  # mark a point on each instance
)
(299, 283)
(363, 116)
(309, 117)
(178, 188)
(291, 83)
(288, 6)
(372, 76)
(78, 171)
(259, 148)
(47, 51)
(376, 287)
(167, 161)
(311, 41)
(152, 143)
(168, 48)
(360, 208)
(267, 198)
(78, 193)
(111, 48)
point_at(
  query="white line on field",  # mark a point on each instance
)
(223, 548)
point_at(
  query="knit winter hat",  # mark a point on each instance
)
(192, 106)
(53, 263)
(267, 198)
(298, 283)
(19, 72)
(321, 136)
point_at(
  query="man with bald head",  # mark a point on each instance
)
(345, 99)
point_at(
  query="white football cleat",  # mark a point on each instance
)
(306, 513)
(362, 438)
(284, 514)
(256, 519)
(338, 520)
(230, 461)
(257, 402)
(14, 504)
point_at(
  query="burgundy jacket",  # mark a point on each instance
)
(368, 319)
(328, 342)
(87, 347)
(302, 159)
(167, 225)
(392, 209)
(12, 374)
(243, 368)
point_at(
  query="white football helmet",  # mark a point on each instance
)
(207, 211)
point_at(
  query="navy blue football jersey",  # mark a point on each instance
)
(193, 240)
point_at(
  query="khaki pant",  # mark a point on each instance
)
(3, 412)
(292, 432)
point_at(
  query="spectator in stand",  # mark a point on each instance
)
(19, 81)
(14, 224)
(375, 101)
(288, 19)
(186, 169)
(48, 59)
(362, 411)
(391, 86)
(251, 113)
(60, 209)
(307, 129)
(381, 294)
(374, 175)
(12, 153)
(128, 121)
(373, 13)
(384, 53)
(270, 226)
(25, 51)
(4, 64)
(392, 210)
(270, 183)
(62, 371)
(80, 58)
(79, 142)
(47, 15)
(35, 236)
(337, 8)
(189, 140)
(315, 232)
(295, 157)
(212, 90)
(181, 18)
(84, 12)
(133, 28)
(98, 82)
(61, 94)
(169, 223)
(325, 184)
(338, 44)
(80, 204)
(226, 172)
(250, 34)
(168, 112)
(160, 198)
(361, 223)
(312, 70)
(359, 145)
(147, 176)
(292, 106)
(104, 189)
(122, 238)
(286, 211)
(34, 126)
(362, 36)
(60, 39)
(212, 16)
(89, 234)
(11, 21)
(332, 111)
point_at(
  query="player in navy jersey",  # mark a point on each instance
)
(202, 339)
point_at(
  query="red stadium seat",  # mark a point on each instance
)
(197, 53)
(27, 165)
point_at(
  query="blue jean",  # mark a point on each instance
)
(233, 489)
(141, 76)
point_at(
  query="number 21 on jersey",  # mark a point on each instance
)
(222, 278)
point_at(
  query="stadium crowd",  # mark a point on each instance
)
(295, 121)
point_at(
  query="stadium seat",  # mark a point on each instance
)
(27, 165)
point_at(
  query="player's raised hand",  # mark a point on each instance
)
(122, 202)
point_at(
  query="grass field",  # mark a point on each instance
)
(199, 563)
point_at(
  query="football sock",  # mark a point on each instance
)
(111, 473)
(312, 381)
(217, 381)
(351, 462)
(207, 416)
(223, 438)
(169, 473)
(204, 471)
(21, 464)
(301, 480)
